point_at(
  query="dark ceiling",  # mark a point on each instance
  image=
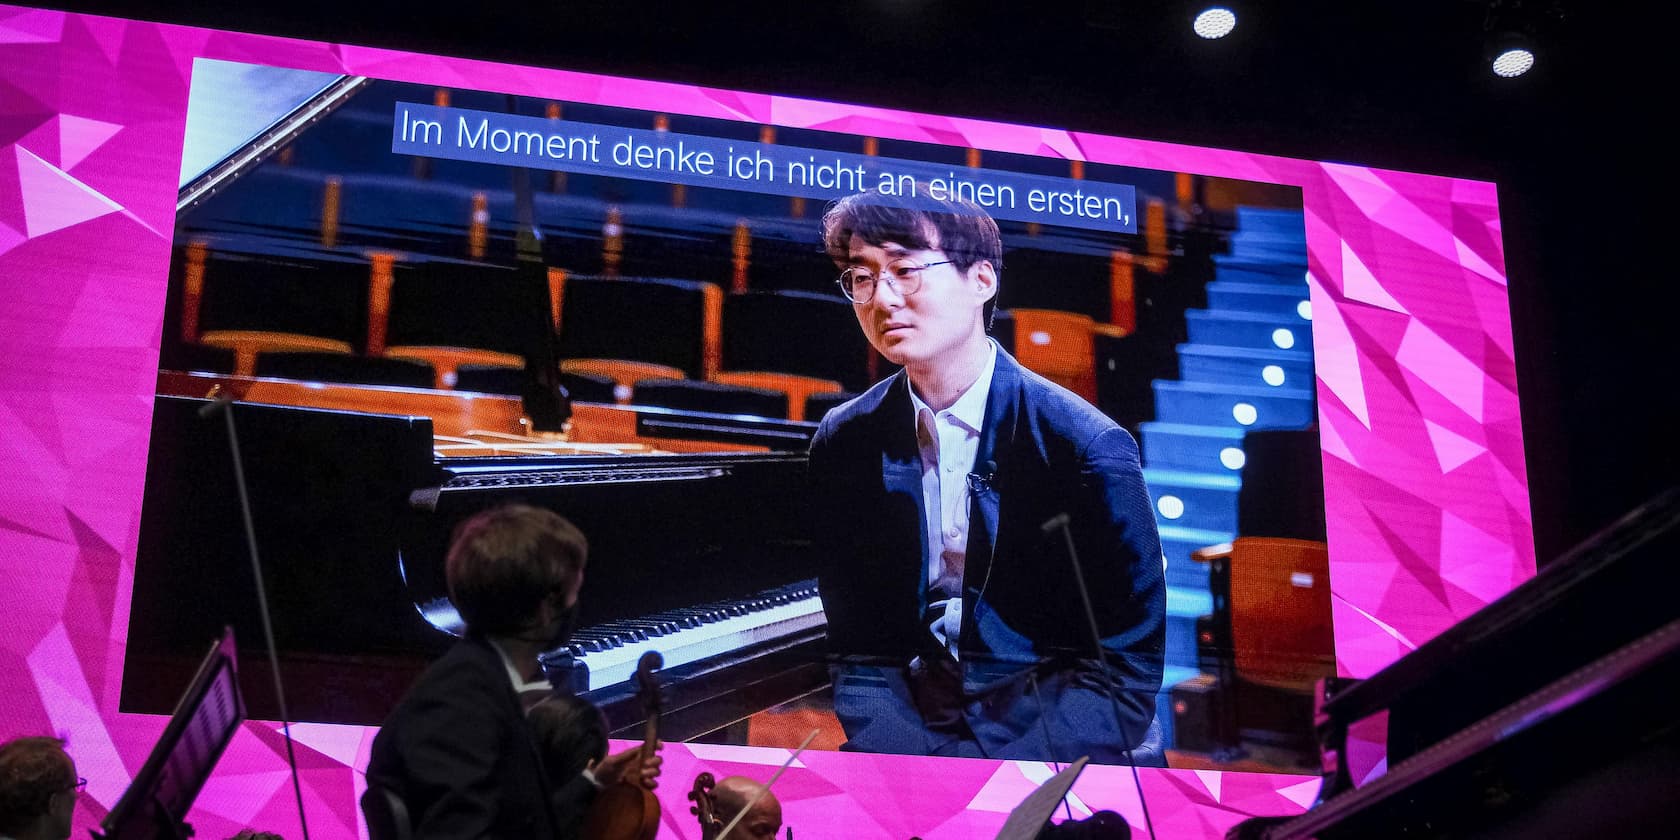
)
(1400, 85)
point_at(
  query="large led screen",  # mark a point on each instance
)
(440, 285)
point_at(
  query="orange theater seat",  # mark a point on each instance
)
(1279, 608)
(451, 315)
(798, 343)
(248, 344)
(1058, 346)
(630, 329)
(254, 304)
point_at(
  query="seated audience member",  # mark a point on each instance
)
(572, 740)
(458, 753)
(38, 787)
(761, 822)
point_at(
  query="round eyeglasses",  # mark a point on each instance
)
(858, 283)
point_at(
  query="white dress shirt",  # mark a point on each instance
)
(949, 441)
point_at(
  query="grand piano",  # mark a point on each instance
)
(700, 555)
(293, 237)
(1548, 713)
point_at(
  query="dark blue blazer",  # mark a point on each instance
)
(1043, 451)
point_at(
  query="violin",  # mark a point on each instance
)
(626, 810)
(705, 807)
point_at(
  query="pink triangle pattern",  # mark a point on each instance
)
(1359, 284)
(9, 237)
(1424, 354)
(1302, 794)
(31, 26)
(44, 140)
(53, 199)
(1451, 450)
(1210, 779)
(79, 137)
(1382, 245)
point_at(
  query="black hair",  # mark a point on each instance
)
(959, 228)
(570, 733)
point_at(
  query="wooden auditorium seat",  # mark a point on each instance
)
(1279, 606)
(630, 329)
(454, 314)
(714, 397)
(799, 343)
(345, 369)
(1269, 635)
(490, 379)
(583, 387)
(251, 305)
(493, 379)
(1058, 346)
(818, 405)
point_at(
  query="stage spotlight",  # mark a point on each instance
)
(1512, 30)
(1513, 62)
(1215, 22)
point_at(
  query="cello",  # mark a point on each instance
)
(627, 810)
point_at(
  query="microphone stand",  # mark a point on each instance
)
(1060, 522)
(223, 403)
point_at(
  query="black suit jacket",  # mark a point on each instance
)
(459, 754)
(1043, 451)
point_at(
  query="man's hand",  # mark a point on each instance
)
(631, 766)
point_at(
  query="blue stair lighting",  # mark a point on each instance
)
(1245, 329)
(1258, 298)
(1245, 366)
(1248, 365)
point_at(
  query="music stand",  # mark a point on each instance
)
(1029, 818)
(203, 723)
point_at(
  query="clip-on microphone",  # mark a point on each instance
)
(224, 403)
(1061, 522)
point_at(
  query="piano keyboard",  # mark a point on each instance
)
(608, 652)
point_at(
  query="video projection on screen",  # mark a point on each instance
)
(642, 320)
(1272, 401)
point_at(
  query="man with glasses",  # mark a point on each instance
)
(38, 789)
(955, 618)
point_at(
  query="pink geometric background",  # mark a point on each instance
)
(1424, 476)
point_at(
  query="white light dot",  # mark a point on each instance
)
(1232, 457)
(1245, 414)
(1304, 309)
(1171, 507)
(1283, 338)
(1513, 62)
(1272, 374)
(1216, 22)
